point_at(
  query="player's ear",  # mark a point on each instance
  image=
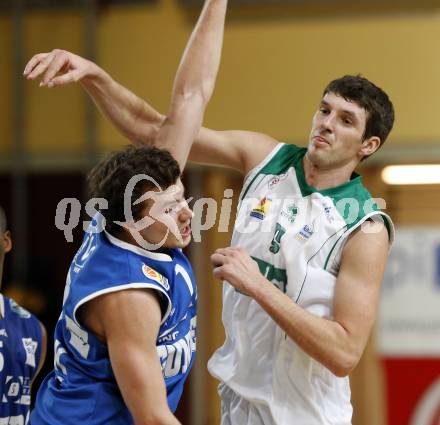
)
(369, 146)
(6, 241)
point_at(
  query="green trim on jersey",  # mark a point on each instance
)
(331, 251)
(351, 190)
(351, 211)
(270, 272)
(279, 164)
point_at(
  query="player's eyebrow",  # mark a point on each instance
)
(348, 112)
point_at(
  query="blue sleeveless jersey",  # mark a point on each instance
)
(82, 389)
(20, 353)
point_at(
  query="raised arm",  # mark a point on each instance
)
(194, 82)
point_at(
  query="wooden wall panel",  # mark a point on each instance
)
(6, 86)
(210, 327)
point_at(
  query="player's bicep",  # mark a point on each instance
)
(358, 284)
(130, 321)
(240, 150)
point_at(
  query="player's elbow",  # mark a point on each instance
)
(344, 365)
(200, 93)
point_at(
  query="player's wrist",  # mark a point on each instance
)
(258, 288)
(96, 78)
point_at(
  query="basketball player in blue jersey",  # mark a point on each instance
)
(22, 348)
(126, 337)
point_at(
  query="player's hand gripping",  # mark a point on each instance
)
(59, 68)
(234, 265)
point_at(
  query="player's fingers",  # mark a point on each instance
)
(67, 78)
(217, 259)
(35, 60)
(218, 273)
(55, 66)
(40, 67)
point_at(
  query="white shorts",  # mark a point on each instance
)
(236, 410)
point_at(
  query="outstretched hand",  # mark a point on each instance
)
(58, 68)
(234, 265)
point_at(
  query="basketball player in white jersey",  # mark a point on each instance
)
(301, 290)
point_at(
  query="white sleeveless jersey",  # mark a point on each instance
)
(296, 234)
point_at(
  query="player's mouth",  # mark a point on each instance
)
(320, 141)
(185, 231)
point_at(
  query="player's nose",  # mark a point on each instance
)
(186, 213)
(326, 123)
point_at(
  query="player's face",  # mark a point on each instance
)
(171, 215)
(336, 138)
(5, 247)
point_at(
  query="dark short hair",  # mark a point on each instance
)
(380, 110)
(3, 221)
(110, 177)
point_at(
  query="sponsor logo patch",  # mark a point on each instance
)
(305, 233)
(30, 346)
(156, 276)
(261, 209)
(328, 211)
(16, 390)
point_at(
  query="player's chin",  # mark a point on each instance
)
(181, 242)
(185, 241)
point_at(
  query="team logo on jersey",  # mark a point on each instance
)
(156, 276)
(24, 314)
(275, 180)
(261, 209)
(3, 333)
(30, 346)
(305, 233)
(290, 212)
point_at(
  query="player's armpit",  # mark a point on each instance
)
(130, 321)
(358, 287)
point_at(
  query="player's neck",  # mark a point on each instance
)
(324, 178)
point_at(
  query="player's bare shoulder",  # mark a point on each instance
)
(257, 147)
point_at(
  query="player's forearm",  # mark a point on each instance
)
(131, 115)
(158, 418)
(198, 68)
(324, 340)
(150, 407)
